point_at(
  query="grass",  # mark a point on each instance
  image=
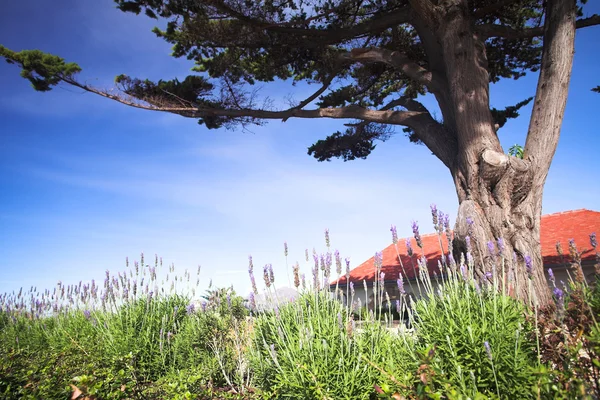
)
(145, 334)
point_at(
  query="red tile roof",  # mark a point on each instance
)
(576, 224)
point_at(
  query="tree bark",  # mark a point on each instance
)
(500, 195)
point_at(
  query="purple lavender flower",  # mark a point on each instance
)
(328, 260)
(551, 275)
(593, 240)
(415, 229)
(488, 350)
(398, 306)
(409, 249)
(190, 309)
(470, 221)
(451, 260)
(468, 242)
(491, 249)
(252, 301)
(228, 300)
(276, 311)
(529, 265)
(327, 243)
(434, 217)
(351, 288)
(87, 314)
(394, 234)
(347, 268)
(306, 254)
(501, 246)
(378, 260)
(400, 283)
(285, 249)
(445, 221)
(382, 277)
(470, 260)
(340, 323)
(266, 276)
(203, 305)
(559, 294)
(463, 271)
(338, 263)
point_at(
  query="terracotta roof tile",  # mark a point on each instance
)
(563, 226)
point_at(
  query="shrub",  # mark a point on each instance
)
(310, 348)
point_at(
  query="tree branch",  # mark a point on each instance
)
(405, 118)
(397, 60)
(312, 97)
(426, 10)
(553, 85)
(491, 8)
(492, 30)
(326, 36)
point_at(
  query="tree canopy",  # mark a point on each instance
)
(370, 59)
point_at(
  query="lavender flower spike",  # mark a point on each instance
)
(491, 249)
(559, 294)
(394, 234)
(593, 240)
(434, 216)
(415, 229)
(551, 275)
(409, 249)
(488, 350)
(529, 265)
(501, 246)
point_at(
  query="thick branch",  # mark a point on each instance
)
(426, 10)
(405, 118)
(491, 8)
(492, 30)
(327, 36)
(397, 60)
(553, 85)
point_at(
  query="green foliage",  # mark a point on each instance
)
(43, 70)
(459, 321)
(234, 45)
(502, 116)
(307, 350)
(517, 150)
(124, 342)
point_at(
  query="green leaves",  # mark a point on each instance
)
(516, 150)
(502, 116)
(43, 70)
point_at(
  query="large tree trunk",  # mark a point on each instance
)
(500, 194)
(497, 212)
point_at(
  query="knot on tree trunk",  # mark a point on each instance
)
(507, 179)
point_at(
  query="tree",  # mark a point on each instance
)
(372, 61)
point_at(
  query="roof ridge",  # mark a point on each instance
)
(579, 210)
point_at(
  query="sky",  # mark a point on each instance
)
(86, 182)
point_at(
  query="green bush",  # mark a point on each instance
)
(308, 349)
(480, 338)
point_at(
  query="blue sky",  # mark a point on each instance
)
(85, 182)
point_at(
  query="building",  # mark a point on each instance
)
(559, 227)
